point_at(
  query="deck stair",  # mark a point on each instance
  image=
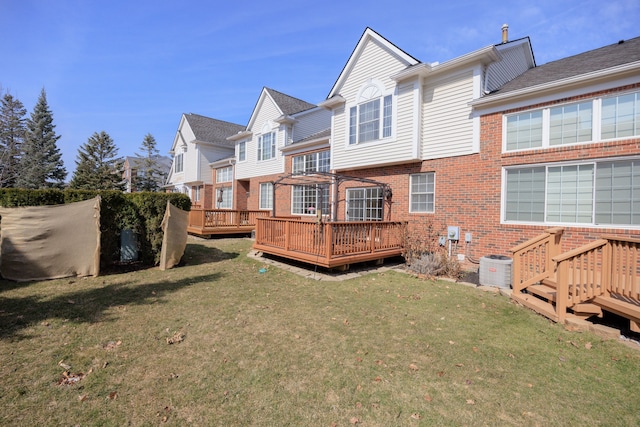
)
(601, 275)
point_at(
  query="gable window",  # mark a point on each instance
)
(364, 204)
(591, 193)
(224, 174)
(372, 118)
(422, 192)
(177, 163)
(621, 116)
(242, 151)
(267, 146)
(314, 162)
(266, 195)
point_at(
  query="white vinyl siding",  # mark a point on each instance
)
(266, 195)
(589, 193)
(422, 192)
(447, 123)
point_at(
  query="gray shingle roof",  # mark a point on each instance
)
(288, 104)
(163, 161)
(621, 53)
(216, 131)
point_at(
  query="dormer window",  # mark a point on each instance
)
(371, 119)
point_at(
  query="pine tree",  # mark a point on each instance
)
(97, 165)
(149, 175)
(41, 164)
(12, 133)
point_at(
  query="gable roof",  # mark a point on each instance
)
(211, 130)
(367, 36)
(288, 104)
(621, 53)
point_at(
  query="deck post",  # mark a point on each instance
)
(607, 268)
(287, 235)
(372, 237)
(328, 236)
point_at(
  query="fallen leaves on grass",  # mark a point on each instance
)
(177, 337)
(68, 378)
(416, 416)
(413, 367)
(112, 345)
(113, 395)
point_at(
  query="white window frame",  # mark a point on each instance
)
(601, 198)
(367, 208)
(227, 197)
(267, 148)
(312, 162)
(196, 193)
(599, 117)
(428, 190)
(372, 93)
(307, 199)
(242, 151)
(178, 163)
(266, 196)
(224, 174)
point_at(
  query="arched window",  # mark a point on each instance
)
(371, 119)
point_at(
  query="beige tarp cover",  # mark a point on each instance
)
(48, 242)
(174, 226)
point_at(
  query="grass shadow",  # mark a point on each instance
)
(87, 305)
(197, 254)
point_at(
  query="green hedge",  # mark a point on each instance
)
(140, 212)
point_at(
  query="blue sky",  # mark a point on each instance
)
(133, 67)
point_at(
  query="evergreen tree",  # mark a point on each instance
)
(97, 165)
(149, 174)
(41, 164)
(12, 132)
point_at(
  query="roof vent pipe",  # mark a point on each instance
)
(505, 33)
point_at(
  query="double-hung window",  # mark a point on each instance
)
(267, 146)
(371, 120)
(242, 151)
(266, 195)
(589, 193)
(177, 163)
(422, 192)
(314, 162)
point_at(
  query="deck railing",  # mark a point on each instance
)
(532, 259)
(325, 242)
(212, 219)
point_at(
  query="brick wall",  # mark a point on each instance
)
(468, 189)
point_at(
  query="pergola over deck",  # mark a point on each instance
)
(329, 243)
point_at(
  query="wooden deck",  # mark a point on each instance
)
(205, 222)
(602, 275)
(329, 244)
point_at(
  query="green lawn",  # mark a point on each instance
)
(217, 342)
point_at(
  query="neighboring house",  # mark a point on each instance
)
(280, 125)
(409, 125)
(560, 146)
(132, 167)
(199, 141)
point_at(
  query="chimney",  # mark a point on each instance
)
(505, 33)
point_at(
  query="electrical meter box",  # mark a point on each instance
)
(453, 233)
